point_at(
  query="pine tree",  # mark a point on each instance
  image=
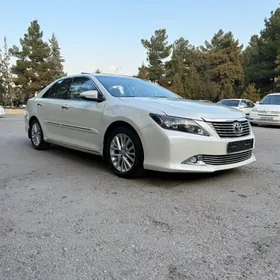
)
(32, 68)
(158, 50)
(261, 55)
(56, 59)
(143, 72)
(226, 60)
(193, 84)
(2, 89)
(98, 71)
(6, 85)
(177, 85)
(176, 68)
(198, 77)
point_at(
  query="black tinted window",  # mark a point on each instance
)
(250, 104)
(80, 84)
(59, 89)
(227, 102)
(244, 103)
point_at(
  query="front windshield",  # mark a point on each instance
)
(271, 100)
(232, 103)
(133, 87)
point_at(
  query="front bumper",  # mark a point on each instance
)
(168, 151)
(264, 118)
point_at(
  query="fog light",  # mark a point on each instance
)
(193, 159)
(200, 158)
(196, 160)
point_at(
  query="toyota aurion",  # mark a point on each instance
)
(135, 125)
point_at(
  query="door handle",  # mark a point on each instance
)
(39, 104)
(64, 107)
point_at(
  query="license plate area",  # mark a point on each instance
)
(265, 118)
(238, 146)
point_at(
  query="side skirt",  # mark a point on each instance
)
(74, 147)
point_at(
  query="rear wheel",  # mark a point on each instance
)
(37, 136)
(124, 153)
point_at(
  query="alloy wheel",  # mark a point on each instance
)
(36, 134)
(122, 152)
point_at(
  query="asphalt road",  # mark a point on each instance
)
(64, 216)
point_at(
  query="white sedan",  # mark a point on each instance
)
(2, 111)
(267, 111)
(244, 105)
(136, 125)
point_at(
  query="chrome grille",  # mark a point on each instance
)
(226, 129)
(227, 159)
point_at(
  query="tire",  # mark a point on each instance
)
(133, 154)
(37, 136)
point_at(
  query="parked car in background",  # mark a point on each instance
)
(136, 125)
(207, 101)
(267, 111)
(2, 111)
(243, 105)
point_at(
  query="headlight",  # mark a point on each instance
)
(179, 124)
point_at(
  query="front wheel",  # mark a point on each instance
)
(37, 136)
(124, 153)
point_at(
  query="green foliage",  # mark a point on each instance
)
(6, 85)
(226, 60)
(158, 49)
(211, 72)
(251, 93)
(177, 84)
(55, 59)
(192, 84)
(220, 68)
(143, 72)
(261, 55)
(177, 66)
(37, 63)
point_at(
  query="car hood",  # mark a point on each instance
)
(184, 108)
(267, 107)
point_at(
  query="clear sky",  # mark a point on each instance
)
(107, 34)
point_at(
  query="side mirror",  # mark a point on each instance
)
(257, 102)
(90, 95)
(242, 106)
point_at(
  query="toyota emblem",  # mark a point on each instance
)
(237, 128)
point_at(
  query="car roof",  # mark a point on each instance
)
(96, 75)
(274, 93)
(235, 99)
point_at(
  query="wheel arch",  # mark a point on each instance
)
(114, 125)
(30, 121)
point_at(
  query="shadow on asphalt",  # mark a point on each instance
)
(186, 176)
(97, 162)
